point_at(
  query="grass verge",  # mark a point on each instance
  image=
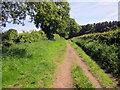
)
(31, 65)
(104, 80)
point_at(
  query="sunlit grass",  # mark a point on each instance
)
(31, 65)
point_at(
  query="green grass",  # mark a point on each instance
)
(94, 68)
(31, 65)
(79, 79)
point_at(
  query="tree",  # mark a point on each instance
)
(12, 12)
(50, 16)
(72, 28)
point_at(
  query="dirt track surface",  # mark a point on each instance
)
(63, 72)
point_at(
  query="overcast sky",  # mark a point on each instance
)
(83, 13)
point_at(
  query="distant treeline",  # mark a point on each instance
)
(99, 27)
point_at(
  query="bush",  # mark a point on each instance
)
(57, 37)
(11, 36)
(103, 48)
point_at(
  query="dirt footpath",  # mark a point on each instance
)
(63, 72)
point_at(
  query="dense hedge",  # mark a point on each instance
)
(33, 36)
(11, 37)
(104, 48)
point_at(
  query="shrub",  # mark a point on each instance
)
(57, 37)
(103, 48)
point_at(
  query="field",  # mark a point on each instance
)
(31, 65)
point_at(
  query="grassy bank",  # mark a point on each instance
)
(94, 68)
(31, 65)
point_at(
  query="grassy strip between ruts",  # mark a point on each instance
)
(79, 79)
(104, 80)
(31, 65)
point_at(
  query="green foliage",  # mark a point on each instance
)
(50, 16)
(11, 36)
(94, 68)
(103, 48)
(99, 27)
(14, 12)
(72, 28)
(24, 37)
(57, 37)
(80, 80)
(31, 65)
(33, 36)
